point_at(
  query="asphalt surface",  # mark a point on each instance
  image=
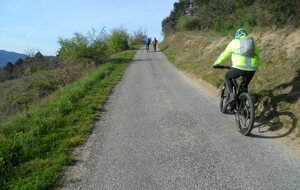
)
(160, 132)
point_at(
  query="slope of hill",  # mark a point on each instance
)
(6, 56)
(275, 26)
(275, 86)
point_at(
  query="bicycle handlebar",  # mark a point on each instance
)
(221, 67)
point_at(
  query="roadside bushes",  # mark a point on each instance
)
(240, 19)
(96, 47)
(83, 49)
(137, 38)
(189, 23)
(118, 41)
(225, 15)
(42, 75)
(20, 97)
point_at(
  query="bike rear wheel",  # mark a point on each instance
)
(224, 99)
(244, 116)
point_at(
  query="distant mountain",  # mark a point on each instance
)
(6, 56)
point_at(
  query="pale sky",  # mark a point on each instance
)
(37, 24)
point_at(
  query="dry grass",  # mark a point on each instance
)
(275, 87)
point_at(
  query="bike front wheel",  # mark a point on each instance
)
(244, 116)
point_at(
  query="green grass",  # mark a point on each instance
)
(34, 148)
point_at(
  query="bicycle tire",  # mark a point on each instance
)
(223, 99)
(244, 116)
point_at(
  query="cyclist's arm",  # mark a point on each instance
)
(225, 54)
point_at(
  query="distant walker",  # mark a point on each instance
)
(154, 42)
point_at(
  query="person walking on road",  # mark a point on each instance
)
(245, 59)
(154, 42)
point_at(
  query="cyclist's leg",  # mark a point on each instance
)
(232, 74)
(246, 78)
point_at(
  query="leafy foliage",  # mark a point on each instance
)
(118, 40)
(80, 49)
(90, 48)
(188, 23)
(35, 147)
(137, 38)
(38, 76)
(224, 15)
(28, 66)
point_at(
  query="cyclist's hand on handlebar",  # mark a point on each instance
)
(214, 66)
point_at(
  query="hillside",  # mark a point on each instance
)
(226, 15)
(6, 56)
(275, 87)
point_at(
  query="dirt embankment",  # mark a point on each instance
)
(275, 87)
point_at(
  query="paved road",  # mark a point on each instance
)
(159, 132)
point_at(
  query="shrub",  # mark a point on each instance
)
(137, 38)
(75, 49)
(224, 15)
(281, 11)
(189, 23)
(118, 40)
(20, 97)
(84, 49)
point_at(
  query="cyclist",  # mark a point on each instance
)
(244, 58)
(154, 42)
(148, 42)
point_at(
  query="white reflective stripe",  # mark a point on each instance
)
(248, 61)
(248, 67)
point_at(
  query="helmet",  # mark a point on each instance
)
(240, 32)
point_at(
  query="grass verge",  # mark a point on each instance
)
(34, 148)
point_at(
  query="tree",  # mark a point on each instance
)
(30, 52)
(181, 8)
(91, 48)
(98, 45)
(74, 50)
(18, 67)
(39, 56)
(118, 40)
(19, 62)
(8, 70)
(138, 37)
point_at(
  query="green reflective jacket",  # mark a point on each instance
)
(238, 61)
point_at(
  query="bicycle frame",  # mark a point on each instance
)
(244, 112)
(235, 86)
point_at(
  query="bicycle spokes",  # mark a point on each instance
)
(245, 114)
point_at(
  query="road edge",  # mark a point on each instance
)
(289, 142)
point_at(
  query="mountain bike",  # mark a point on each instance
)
(242, 106)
